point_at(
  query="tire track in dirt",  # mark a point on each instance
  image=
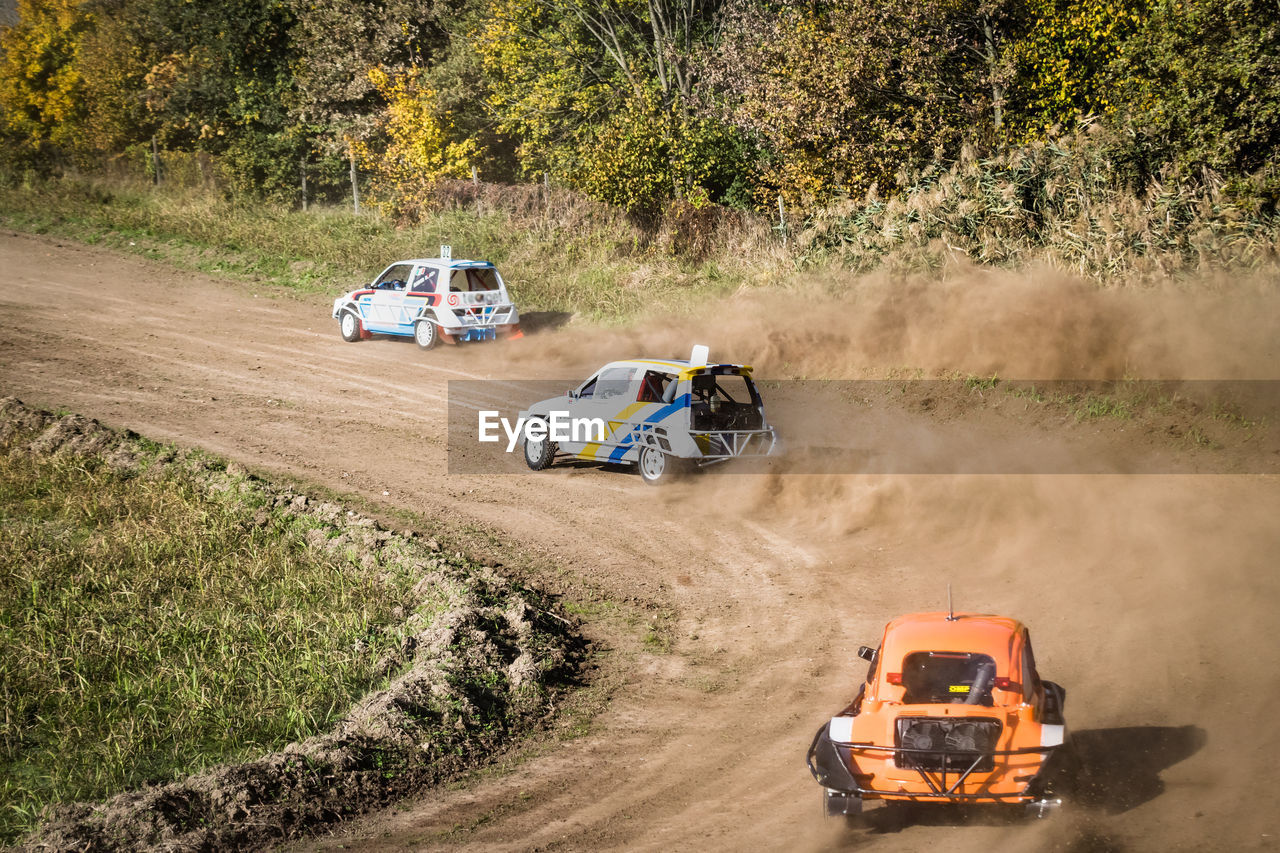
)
(1149, 597)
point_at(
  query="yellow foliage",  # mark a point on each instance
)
(418, 143)
(40, 86)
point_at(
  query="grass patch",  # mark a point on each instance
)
(149, 629)
(164, 611)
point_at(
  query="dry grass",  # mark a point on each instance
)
(558, 251)
(1066, 203)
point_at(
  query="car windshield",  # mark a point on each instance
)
(611, 383)
(394, 278)
(948, 677)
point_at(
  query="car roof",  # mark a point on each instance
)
(453, 263)
(672, 365)
(965, 632)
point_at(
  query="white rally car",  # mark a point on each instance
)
(431, 300)
(663, 416)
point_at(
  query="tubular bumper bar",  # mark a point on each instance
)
(939, 789)
(734, 443)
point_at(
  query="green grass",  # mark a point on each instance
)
(602, 270)
(148, 629)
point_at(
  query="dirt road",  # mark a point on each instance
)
(1152, 598)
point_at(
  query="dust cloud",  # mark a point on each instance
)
(1039, 324)
(1151, 598)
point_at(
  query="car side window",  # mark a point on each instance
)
(394, 278)
(653, 388)
(614, 383)
(588, 390)
(424, 280)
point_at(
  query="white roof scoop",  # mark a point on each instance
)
(698, 358)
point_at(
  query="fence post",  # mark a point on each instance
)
(155, 162)
(355, 186)
(302, 168)
(782, 221)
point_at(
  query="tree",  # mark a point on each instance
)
(422, 144)
(1202, 79)
(842, 96)
(598, 95)
(338, 42)
(1066, 63)
(41, 88)
(113, 61)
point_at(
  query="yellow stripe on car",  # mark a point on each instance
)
(625, 415)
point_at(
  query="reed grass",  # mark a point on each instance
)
(1077, 203)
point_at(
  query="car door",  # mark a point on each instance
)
(384, 309)
(602, 396)
(421, 294)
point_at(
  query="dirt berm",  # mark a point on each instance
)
(440, 714)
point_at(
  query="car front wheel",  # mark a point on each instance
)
(539, 453)
(426, 334)
(349, 325)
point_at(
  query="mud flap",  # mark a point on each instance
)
(1055, 698)
(838, 804)
(828, 766)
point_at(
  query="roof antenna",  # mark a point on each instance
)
(951, 614)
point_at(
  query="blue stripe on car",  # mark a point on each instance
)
(656, 418)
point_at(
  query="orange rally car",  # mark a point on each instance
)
(952, 711)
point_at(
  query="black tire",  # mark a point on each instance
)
(349, 326)
(1065, 773)
(538, 454)
(426, 334)
(657, 467)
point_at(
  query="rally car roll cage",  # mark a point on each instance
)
(936, 780)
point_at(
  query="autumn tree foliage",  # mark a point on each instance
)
(1067, 63)
(599, 96)
(644, 104)
(1201, 79)
(41, 87)
(843, 95)
(338, 43)
(420, 143)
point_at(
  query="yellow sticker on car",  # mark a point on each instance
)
(959, 688)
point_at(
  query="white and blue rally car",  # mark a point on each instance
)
(431, 300)
(664, 416)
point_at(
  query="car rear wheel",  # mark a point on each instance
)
(426, 334)
(539, 453)
(658, 467)
(349, 325)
